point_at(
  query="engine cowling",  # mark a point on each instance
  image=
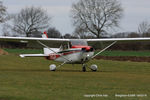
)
(52, 67)
(94, 67)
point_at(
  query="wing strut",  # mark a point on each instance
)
(61, 64)
(52, 50)
(104, 49)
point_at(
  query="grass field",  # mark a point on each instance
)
(30, 79)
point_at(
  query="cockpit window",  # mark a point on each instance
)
(79, 42)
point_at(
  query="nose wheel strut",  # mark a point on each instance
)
(84, 67)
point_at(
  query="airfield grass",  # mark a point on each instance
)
(30, 79)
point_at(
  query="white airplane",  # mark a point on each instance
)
(77, 51)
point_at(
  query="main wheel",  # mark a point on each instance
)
(94, 67)
(52, 67)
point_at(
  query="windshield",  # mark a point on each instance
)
(79, 42)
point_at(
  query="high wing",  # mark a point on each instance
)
(24, 39)
(51, 42)
(21, 39)
(118, 39)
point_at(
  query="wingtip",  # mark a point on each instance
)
(22, 56)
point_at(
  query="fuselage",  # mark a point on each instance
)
(76, 54)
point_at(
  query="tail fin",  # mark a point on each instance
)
(44, 35)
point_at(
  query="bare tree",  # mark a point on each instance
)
(31, 19)
(80, 33)
(2, 12)
(67, 36)
(144, 29)
(7, 26)
(133, 35)
(6, 29)
(53, 33)
(96, 16)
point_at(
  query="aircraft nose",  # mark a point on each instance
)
(88, 55)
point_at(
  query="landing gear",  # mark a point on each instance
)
(52, 67)
(84, 68)
(93, 67)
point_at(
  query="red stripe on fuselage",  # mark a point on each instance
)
(80, 46)
(54, 56)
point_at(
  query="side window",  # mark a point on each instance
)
(65, 47)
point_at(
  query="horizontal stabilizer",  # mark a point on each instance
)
(33, 55)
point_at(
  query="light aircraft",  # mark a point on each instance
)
(77, 51)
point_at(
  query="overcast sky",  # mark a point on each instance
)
(135, 11)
